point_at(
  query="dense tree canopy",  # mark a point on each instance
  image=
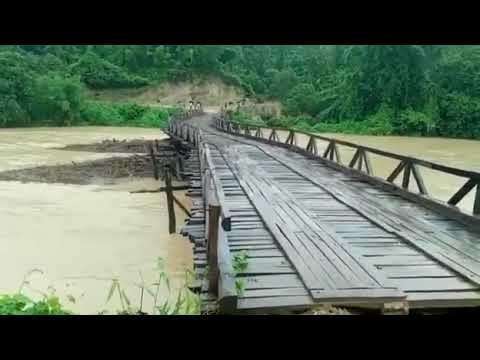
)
(424, 89)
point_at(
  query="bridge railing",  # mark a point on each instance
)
(187, 113)
(361, 165)
(220, 275)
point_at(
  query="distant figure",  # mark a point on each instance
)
(191, 105)
(199, 106)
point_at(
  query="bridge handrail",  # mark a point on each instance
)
(221, 277)
(360, 158)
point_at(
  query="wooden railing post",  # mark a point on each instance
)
(368, 164)
(327, 150)
(419, 180)
(337, 153)
(476, 202)
(273, 136)
(354, 158)
(391, 178)
(406, 176)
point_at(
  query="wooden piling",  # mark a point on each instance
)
(169, 192)
(213, 222)
(180, 167)
(154, 162)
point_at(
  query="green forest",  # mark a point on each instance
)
(428, 90)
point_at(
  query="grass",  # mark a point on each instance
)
(184, 303)
(240, 264)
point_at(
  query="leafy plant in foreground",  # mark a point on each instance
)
(20, 304)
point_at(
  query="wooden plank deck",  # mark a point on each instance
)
(317, 235)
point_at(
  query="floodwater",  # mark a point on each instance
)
(459, 153)
(83, 236)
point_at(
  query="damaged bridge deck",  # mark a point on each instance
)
(315, 231)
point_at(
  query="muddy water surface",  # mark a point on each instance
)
(82, 236)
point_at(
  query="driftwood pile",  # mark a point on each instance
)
(139, 164)
(88, 172)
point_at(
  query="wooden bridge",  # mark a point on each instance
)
(279, 226)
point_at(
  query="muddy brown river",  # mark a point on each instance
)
(83, 236)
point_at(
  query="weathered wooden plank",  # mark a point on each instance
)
(399, 260)
(357, 295)
(252, 247)
(250, 243)
(434, 284)
(387, 250)
(443, 299)
(273, 302)
(426, 271)
(254, 253)
(273, 281)
(259, 293)
(254, 268)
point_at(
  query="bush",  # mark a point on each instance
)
(459, 116)
(11, 113)
(413, 122)
(130, 111)
(380, 123)
(247, 119)
(112, 114)
(303, 125)
(94, 113)
(16, 82)
(56, 100)
(154, 118)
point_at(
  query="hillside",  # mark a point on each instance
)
(211, 92)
